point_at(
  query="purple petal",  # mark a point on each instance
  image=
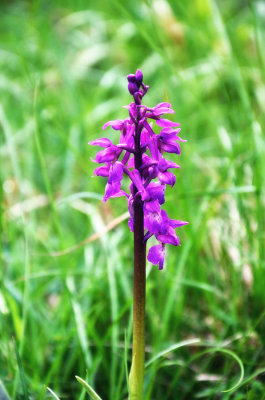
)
(170, 237)
(146, 160)
(166, 123)
(176, 224)
(163, 108)
(170, 147)
(156, 255)
(113, 187)
(171, 134)
(165, 224)
(167, 177)
(163, 105)
(116, 172)
(153, 147)
(132, 110)
(116, 124)
(121, 193)
(171, 222)
(111, 190)
(168, 131)
(164, 217)
(108, 154)
(164, 164)
(126, 157)
(103, 142)
(144, 137)
(101, 171)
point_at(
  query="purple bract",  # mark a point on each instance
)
(151, 174)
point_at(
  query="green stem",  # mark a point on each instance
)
(136, 377)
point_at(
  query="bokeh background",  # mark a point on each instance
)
(66, 295)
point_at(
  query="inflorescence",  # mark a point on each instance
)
(139, 155)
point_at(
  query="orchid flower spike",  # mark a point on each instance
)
(149, 177)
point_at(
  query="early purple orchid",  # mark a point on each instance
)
(140, 155)
(138, 140)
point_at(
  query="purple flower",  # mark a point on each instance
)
(173, 134)
(139, 154)
(168, 143)
(114, 182)
(152, 216)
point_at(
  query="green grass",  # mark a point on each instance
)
(62, 76)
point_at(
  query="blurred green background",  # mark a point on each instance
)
(63, 67)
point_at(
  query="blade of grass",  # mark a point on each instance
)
(171, 348)
(21, 372)
(52, 393)
(88, 388)
(79, 320)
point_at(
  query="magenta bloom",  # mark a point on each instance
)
(139, 141)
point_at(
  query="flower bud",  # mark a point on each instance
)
(131, 78)
(132, 87)
(139, 77)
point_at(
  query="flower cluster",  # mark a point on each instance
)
(139, 154)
